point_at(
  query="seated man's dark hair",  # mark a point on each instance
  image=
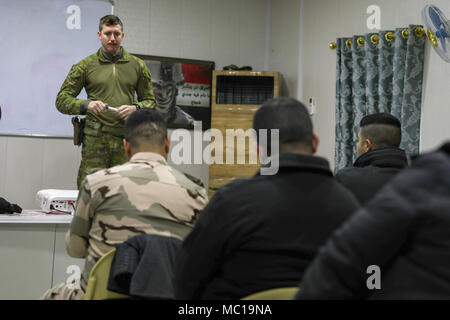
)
(145, 126)
(288, 115)
(382, 129)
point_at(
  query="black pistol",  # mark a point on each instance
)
(78, 130)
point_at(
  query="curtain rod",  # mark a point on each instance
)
(389, 36)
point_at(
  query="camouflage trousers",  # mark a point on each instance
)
(100, 152)
(69, 291)
(63, 291)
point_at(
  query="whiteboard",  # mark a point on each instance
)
(39, 43)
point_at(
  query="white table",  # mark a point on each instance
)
(36, 216)
(33, 253)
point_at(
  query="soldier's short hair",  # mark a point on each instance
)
(109, 20)
(382, 129)
(145, 126)
(288, 115)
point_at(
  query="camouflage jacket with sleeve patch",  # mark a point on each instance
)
(114, 83)
(142, 196)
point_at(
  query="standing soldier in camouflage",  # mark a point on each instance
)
(111, 77)
(143, 196)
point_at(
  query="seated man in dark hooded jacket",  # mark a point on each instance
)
(397, 246)
(262, 232)
(379, 156)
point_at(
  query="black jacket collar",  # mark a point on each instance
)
(383, 157)
(303, 162)
(446, 147)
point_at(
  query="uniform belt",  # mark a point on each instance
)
(96, 128)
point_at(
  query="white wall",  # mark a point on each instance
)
(31, 164)
(226, 32)
(284, 43)
(326, 20)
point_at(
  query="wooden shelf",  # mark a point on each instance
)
(237, 116)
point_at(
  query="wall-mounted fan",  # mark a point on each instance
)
(438, 30)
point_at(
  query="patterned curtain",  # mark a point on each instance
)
(378, 72)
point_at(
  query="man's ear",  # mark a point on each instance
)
(315, 143)
(127, 147)
(99, 35)
(167, 145)
(262, 153)
(367, 145)
(258, 150)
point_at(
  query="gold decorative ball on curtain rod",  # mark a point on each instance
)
(419, 31)
(348, 43)
(333, 45)
(374, 39)
(432, 38)
(389, 36)
(360, 41)
(405, 33)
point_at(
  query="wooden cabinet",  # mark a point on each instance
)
(236, 95)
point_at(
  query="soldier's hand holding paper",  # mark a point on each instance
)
(125, 111)
(96, 106)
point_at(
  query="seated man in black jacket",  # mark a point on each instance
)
(262, 232)
(379, 156)
(397, 246)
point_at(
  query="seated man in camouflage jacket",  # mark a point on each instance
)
(143, 196)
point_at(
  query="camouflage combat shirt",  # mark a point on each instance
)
(142, 196)
(112, 82)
